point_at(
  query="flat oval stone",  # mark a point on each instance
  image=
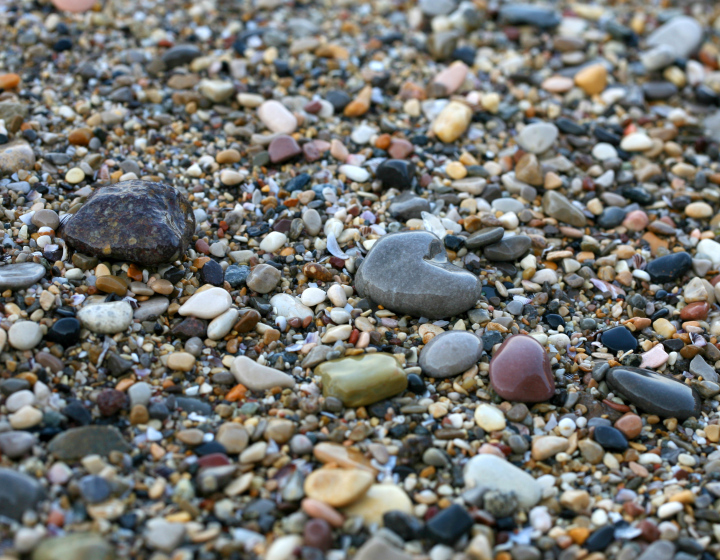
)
(76, 443)
(20, 275)
(619, 339)
(450, 353)
(258, 377)
(654, 393)
(106, 318)
(138, 221)
(537, 137)
(362, 380)
(207, 304)
(485, 236)
(338, 487)
(520, 370)
(489, 472)
(508, 249)
(669, 267)
(408, 273)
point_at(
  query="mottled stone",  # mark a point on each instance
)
(138, 221)
(508, 249)
(669, 267)
(489, 472)
(75, 546)
(15, 156)
(18, 493)
(20, 275)
(408, 273)
(560, 208)
(520, 370)
(654, 393)
(75, 443)
(362, 380)
(450, 353)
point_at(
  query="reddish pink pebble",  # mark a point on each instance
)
(74, 5)
(320, 510)
(400, 149)
(214, 460)
(637, 220)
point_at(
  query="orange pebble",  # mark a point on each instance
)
(236, 393)
(9, 81)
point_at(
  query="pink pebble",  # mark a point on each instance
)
(76, 6)
(316, 508)
(655, 357)
(486, 448)
(637, 220)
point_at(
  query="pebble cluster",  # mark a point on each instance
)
(430, 280)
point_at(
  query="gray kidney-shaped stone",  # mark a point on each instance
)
(408, 273)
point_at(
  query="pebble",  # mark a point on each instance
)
(362, 380)
(15, 156)
(77, 443)
(423, 259)
(450, 353)
(669, 267)
(25, 335)
(489, 472)
(520, 370)
(489, 418)
(106, 318)
(654, 393)
(452, 121)
(263, 278)
(20, 275)
(257, 377)
(138, 221)
(206, 304)
(19, 493)
(338, 487)
(377, 501)
(275, 116)
(538, 137)
(619, 339)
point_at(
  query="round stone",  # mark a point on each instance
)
(338, 487)
(25, 335)
(537, 137)
(263, 278)
(490, 418)
(450, 353)
(206, 304)
(520, 370)
(106, 318)
(20, 275)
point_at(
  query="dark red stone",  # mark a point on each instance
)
(318, 534)
(110, 401)
(213, 460)
(520, 370)
(695, 311)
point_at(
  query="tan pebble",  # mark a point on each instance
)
(338, 487)
(181, 361)
(592, 79)
(456, 170)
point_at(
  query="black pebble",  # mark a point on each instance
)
(669, 267)
(396, 173)
(415, 384)
(619, 339)
(407, 527)
(212, 273)
(449, 525)
(65, 331)
(600, 539)
(63, 44)
(610, 438)
(554, 320)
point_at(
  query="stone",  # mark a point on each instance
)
(163, 535)
(283, 148)
(138, 221)
(338, 487)
(216, 91)
(396, 174)
(408, 206)
(107, 317)
(25, 335)
(452, 121)
(273, 241)
(257, 377)
(377, 548)
(619, 339)
(362, 380)
(263, 278)
(537, 137)
(19, 276)
(520, 370)
(610, 438)
(545, 447)
(449, 525)
(450, 353)
(682, 34)
(490, 418)
(180, 55)
(484, 237)
(75, 546)
(670, 267)
(65, 331)
(528, 170)
(560, 208)
(377, 501)
(76, 443)
(15, 156)
(427, 286)
(529, 14)
(654, 393)
(592, 79)
(700, 368)
(16, 444)
(630, 425)
(290, 307)
(233, 437)
(509, 249)
(151, 309)
(221, 325)
(636, 142)
(488, 472)
(206, 304)
(347, 457)
(18, 493)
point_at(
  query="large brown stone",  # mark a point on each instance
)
(520, 370)
(138, 221)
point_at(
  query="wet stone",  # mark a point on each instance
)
(485, 236)
(449, 525)
(450, 353)
(407, 206)
(619, 339)
(429, 286)
(236, 275)
(64, 331)
(138, 221)
(654, 393)
(669, 267)
(520, 370)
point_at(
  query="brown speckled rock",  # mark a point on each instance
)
(138, 221)
(520, 370)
